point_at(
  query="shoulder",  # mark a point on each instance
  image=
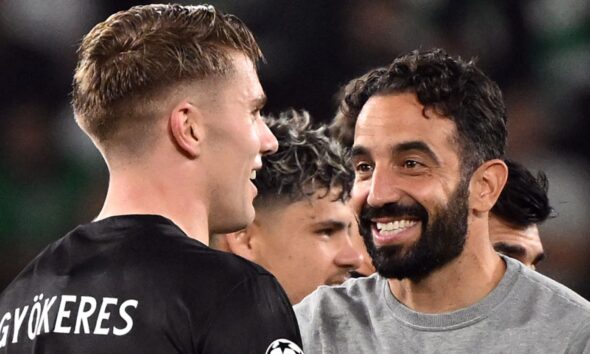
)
(549, 304)
(214, 263)
(332, 314)
(126, 259)
(155, 244)
(580, 339)
(335, 301)
(544, 288)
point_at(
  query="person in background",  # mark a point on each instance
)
(429, 138)
(366, 267)
(170, 96)
(301, 231)
(514, 219)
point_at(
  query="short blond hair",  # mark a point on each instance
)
(127, 61)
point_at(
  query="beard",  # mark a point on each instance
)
(441, 239)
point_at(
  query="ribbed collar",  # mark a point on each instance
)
(459, 318)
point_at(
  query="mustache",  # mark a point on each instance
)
(393, 210)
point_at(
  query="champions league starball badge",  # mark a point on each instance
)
(283, 346)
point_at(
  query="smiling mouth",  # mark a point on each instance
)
(394, 227)
(389, 231)
(253, 175)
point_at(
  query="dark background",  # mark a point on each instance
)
(52, 178)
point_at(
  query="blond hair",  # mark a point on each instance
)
(127, 61)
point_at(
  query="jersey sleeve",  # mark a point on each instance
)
(254, 315)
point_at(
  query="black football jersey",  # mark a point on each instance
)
(139, 284)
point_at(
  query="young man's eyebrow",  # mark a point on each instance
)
(331, 224)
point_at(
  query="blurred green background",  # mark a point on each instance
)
(52, 179)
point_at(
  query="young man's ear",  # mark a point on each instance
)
(487, 183)
(185, 124)
(240, 243)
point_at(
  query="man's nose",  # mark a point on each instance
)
(383, 188)
(348, 256)
(268, 142)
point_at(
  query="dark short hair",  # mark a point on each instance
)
(307, 160)
(125, 62)
(523, 201)
(454, 88)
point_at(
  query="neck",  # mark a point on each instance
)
(142, 191)
(461, 283)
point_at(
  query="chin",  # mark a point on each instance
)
(233, 224)
(247, 219)
(249, 213)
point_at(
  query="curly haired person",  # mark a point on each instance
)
(302, 229)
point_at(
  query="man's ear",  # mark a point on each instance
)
(240, 243)
(186, 130)
(486, 185)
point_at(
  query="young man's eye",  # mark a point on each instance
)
(327, 232)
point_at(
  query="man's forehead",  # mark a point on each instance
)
(501, 231)
(397, 112)
(245, 73)
(330, 214)
(321, 199)
(532, 233)
(309, 199)
(388, 104)
(389, 120)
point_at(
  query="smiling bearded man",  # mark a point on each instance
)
(429, 138)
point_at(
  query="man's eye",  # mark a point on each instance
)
(363, 167)
(256, 114)
(327, 232)
(411, 164)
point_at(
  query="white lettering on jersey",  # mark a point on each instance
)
(36, 318)
(125, 316)
(63, 314)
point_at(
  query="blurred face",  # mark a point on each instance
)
(306, 244)
(236, 137)
(519, 243)
(411, 202)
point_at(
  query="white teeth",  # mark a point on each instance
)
(395, 226)
(253, 175)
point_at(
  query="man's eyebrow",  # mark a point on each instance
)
(418, 146)
(358, 151)
(260, 101)
(331, 224)
(509, 250)
(400, 148)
